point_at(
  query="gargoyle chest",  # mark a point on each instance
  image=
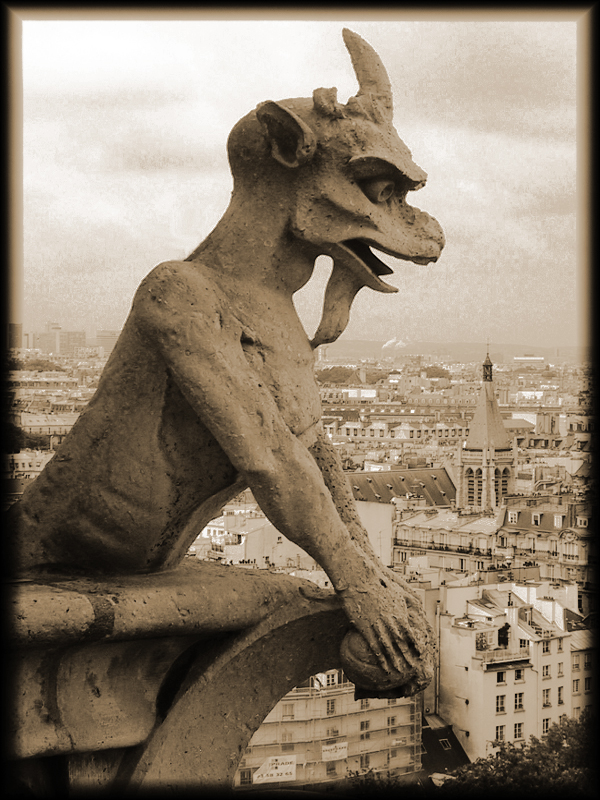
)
(287, 371)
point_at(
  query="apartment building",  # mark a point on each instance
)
(319, 734)
(584, 691)
(506, 660)
(26, 464)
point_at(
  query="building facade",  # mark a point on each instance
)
(322, 735)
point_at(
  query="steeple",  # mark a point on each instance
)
(487, 368)
(486, 429)
(487, 463)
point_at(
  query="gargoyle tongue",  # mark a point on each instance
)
(341, 290)
(354, 266)
(358, 258)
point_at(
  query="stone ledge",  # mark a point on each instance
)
(116, 667)
(193, 599)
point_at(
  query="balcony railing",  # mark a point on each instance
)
(494, 656)
(443, 548)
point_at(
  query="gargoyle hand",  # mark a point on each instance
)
(391, 619)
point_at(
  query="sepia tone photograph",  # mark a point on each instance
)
(299, 436)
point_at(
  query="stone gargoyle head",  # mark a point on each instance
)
(347, 174)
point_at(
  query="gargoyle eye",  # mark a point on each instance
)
(378, 190)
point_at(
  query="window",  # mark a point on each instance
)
(523, 643)
(519, 675)
(364, 703)
(286, 742)
(582, 522)
(501, 677)
(288, 711)
(560, 695)
(545, 697)
(364, 727)
(391, 701)
(546, 671)
(587, 683)
(558, 520)
(545, 725)
(576, 662)
(519, 701)
(576, 686)
(445, 744)
(536, 519)
(391, 722)
(245, 777)
(332, 678)
(513, 517)
(587, 661)
(560, 645)
(330, 770)
(332, 732)
(518, 730)
(560, 668)
(330, 707)
(546, 646)
(500, 707)
(577, 712)
(365, 761)
(500, 733)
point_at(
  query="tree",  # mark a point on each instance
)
(561, 764)
(34, 365)
(433, 371)
(16, 439)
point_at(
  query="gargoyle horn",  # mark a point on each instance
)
(372, 76)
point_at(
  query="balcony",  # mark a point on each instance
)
(491, 657)
(443, 548)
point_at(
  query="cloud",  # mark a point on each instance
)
(125, 161)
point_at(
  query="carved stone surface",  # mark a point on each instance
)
(148, 687)
(210, 387)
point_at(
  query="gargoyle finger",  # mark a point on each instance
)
(404, 641)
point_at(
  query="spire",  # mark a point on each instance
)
(487, 365)
(486, 429)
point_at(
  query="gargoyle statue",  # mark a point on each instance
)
(210, 387)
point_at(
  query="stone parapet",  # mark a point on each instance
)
(158, 680)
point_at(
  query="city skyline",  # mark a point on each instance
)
(125, 128)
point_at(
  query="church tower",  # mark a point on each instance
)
(487, 461)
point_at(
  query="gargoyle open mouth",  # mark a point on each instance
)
(360, 259)
(366, 264)
(364, 252)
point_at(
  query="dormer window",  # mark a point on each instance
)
(513, 517)
(582, 522)
(536, 519)
(558, 520)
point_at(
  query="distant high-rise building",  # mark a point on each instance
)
(49, 341)
(14, 337)
(107, 340)
(69, 340)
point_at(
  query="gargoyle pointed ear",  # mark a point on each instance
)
(293, 143)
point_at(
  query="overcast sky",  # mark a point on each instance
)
(125, 125)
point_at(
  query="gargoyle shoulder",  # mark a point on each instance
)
(175, 293)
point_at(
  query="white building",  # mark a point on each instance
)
(318, 733)
(505, 669)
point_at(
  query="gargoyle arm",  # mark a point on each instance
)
(201, 346)
(202, 349)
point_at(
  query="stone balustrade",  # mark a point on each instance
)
(158, 680)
